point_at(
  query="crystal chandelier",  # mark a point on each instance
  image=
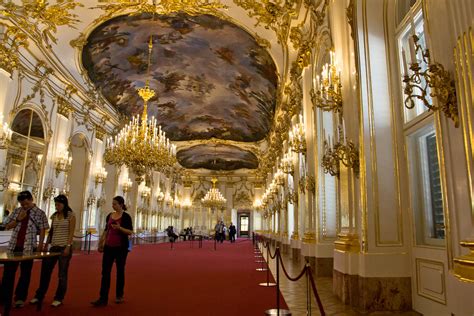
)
(213, 197)
(141, 145)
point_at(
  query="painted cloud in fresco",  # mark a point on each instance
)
(220, 157)
(212, 78)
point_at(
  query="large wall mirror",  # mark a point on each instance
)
(25, 156)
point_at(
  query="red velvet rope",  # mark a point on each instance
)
(307, 269)
(286, 273)
(277, 252)
(315, 291)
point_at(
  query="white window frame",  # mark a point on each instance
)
(415, 126)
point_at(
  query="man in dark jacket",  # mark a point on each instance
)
(232, 232)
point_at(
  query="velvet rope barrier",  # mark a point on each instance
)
(286, 273)
(307, 270)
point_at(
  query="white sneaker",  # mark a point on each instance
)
(56, 303)
(19, 304)
(34, 301)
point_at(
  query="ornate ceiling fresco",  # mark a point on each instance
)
(216, 83)
(212, 80)
(219, 157)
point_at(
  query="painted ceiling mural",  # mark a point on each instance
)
(217, 157)
(212, 78)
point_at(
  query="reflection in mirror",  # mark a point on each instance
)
(25, 156)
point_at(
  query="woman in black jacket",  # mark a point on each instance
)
(114, 244)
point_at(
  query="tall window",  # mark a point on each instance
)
(419, 129)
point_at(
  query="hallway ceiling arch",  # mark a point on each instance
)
(213, 81)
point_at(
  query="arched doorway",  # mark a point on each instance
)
(77, 181)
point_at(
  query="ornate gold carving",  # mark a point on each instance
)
(100, 132)
(39, 17)
(274, 15)
(191, 7)
(11, 41)
(464, 265)
(41, 72)
(64, 108)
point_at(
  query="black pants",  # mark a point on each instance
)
(47, 268)
(111, 254)
(8, 281)
(232, 237)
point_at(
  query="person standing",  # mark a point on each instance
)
(218, 229)
(60, 237)
(27, 221)
(232, 232)
(114, 244)
(224, 233)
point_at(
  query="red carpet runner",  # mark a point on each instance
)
(160, 281)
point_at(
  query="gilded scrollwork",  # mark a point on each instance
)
(12, 39)
(191, 7)
(64, 108)
(274, 15)
(39, 17)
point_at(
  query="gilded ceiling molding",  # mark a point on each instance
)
(39, 18)
(191, 7)
(38, 21)
(10, 43)
(275, 15)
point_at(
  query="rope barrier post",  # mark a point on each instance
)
(268, 284)
(277, 311)
(90, 242)
(308, 295)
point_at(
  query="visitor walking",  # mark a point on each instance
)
(232, 232)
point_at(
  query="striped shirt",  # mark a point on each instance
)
(60, 230)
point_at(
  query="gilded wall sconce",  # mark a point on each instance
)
(48, 191)
(343, 151)
(428, 80)
(100, 176)
(297, 137)
(127, 185)
(63, 161)
(288, 163)
(328, 96)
